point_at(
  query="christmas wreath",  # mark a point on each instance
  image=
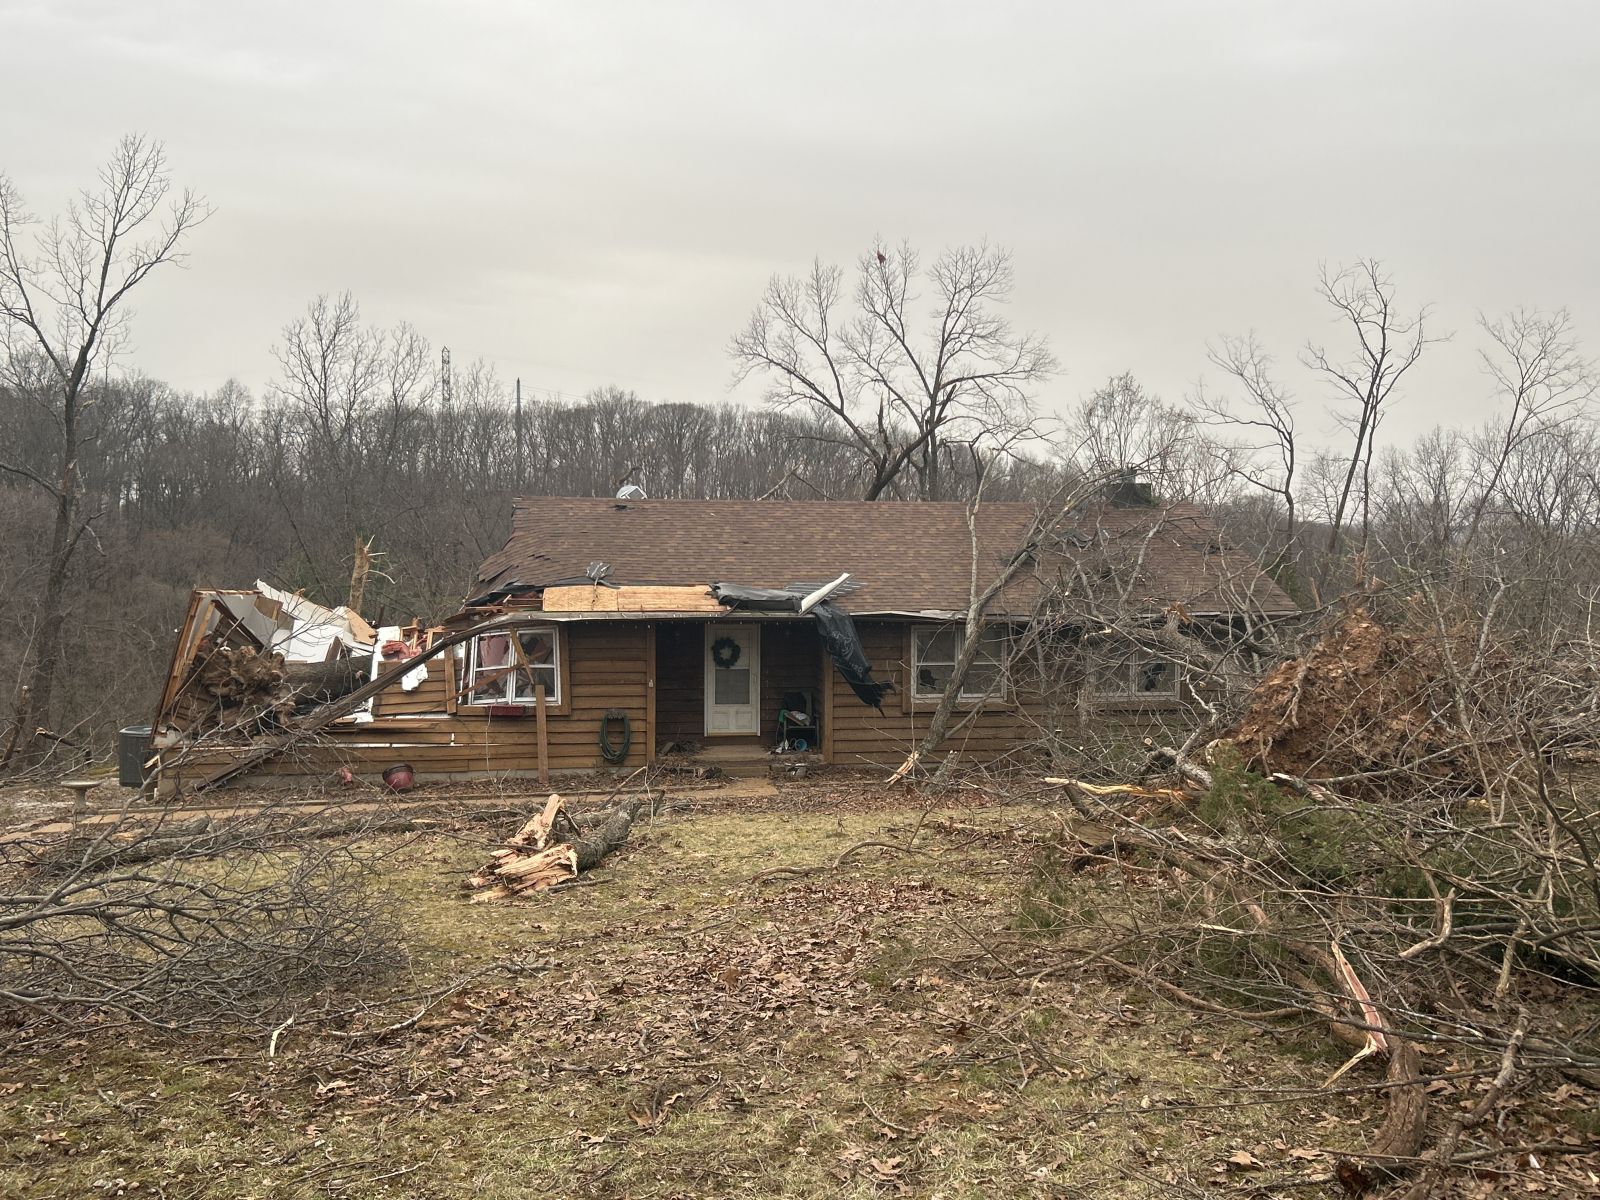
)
(725, 652)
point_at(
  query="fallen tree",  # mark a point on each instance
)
(553, 847)
(1383, 843)
(187, 925)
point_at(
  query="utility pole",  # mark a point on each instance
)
(518, 485)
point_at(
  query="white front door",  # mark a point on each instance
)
(733, 678)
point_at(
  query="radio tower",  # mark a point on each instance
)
(447, 387)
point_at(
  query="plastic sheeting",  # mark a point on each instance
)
(736, 595)
(837, 627)
(844, 647)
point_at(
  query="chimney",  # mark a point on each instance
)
(1124, 490)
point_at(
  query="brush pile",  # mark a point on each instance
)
(553, 847)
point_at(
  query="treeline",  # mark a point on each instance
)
(899, 378)
(223, 488)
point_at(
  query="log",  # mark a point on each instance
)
(552, 847)
(323, 681)
(608, 837)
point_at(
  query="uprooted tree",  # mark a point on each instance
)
(1386, 839)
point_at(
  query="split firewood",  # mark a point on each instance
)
(552, 847)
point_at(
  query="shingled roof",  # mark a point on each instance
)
(903, 557)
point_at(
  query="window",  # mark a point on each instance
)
(507, 667)
(1136, 675)
(933, 663)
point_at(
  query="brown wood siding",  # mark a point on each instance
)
(680, 681)
(429, 696)
(790, 655)
(606, 669)
(608, 665)
(790, 661)
(862, 736)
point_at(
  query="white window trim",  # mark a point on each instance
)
(1001, 662)
(1130, 663)
(508, 695)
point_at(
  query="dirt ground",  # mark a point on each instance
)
(691, 1020)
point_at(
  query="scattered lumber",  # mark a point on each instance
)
(554, 846)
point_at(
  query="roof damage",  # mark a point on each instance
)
(904, 558)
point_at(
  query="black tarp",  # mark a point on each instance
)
(837, 627)
(736, 595)
(844, 647)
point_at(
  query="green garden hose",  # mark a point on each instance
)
(607, 751)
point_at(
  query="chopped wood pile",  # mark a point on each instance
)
(553, 847)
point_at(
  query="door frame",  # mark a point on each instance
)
(750, 630)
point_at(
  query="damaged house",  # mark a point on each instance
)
(607, 633)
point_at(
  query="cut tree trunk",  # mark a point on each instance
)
(553, 847)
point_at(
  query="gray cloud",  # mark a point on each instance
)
(596, 193)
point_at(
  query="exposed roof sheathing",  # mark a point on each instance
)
(906, 557)
(630, 598)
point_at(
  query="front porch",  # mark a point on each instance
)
(734, 692)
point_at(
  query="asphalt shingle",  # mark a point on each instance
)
(904, 557)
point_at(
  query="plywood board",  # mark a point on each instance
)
(592, 598)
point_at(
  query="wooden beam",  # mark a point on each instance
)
(650, 692)
(543, 732)
(825, 689)
(639, 598)
(822, 593)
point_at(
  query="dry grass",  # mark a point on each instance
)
(677, 1030)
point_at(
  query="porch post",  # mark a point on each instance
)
(825, 689)
(650, 692)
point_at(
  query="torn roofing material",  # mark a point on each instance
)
(837, 628)
(909, 557)
(314, 629)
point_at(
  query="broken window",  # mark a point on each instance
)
(933, 663)
(507, 667)
(1135, 675)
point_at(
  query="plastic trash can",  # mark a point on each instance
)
(133, 748)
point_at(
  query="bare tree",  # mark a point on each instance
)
(1122, 426)
(900, 392)
(62, 315)
(1265, 415)
(1387, 345)
(1538, 371)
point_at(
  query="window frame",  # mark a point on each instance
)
(1131, 661)
(998, 697)
(558, 701)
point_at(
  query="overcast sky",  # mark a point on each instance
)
(592, 193)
